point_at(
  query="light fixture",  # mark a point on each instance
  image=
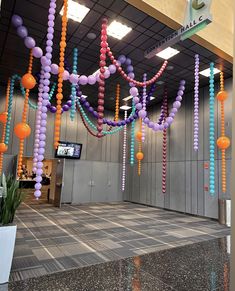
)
(84, 96)
(97, 71)
(127, 98)
(130, 97)
(125, 107)
(160, 82)
(167, 53)
(118, 30)
(206, 72)
(76, 11)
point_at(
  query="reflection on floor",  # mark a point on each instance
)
(201, 266)
(51, 239)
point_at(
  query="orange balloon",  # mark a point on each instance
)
(222, 95)
(3, 117)
(28, 81)
(223, 142)
(140, 156)
(22, 130)
(3, 147)
(139, 135)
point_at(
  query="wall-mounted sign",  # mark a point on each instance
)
(197, 17)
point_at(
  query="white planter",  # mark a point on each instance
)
(7, 244)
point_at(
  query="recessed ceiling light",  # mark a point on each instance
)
(207, 72)
(76, 11)
(127, 98)
(125, 107)
(170, 68)
(160, 82)
(167, 53)
(84, 96)
(152, 98)
(118, 30)
(97, 71)
(91, 35)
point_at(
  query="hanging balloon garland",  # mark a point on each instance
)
(3, 120)
(43, 98)
(223, 142)
(196, 105)
(212, 131)
(59, 95)
(164, 143)
(139, 105)
(124, 154)
(132, 147)
(23, 130)
(139, 154)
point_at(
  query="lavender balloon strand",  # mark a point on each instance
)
(196, 104)
(46, 67)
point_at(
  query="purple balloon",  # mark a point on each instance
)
(138, 106)
(38, 179)
(37, 194)
(53, 109)
(156, 127)
(107, 74)
(91, 80)
(169, 120)
(142, 113)
(83, 80)
(37, 52)
(73, 79)
(29, 42)
(130, 68)
(54, 69)
(22, 31)
(133, 91)
(65, 107)
(177, 104)
(136, 100)
(16, 20)
(151, 124)
(112, 69)
(65, 75)
(122, 59)
(69, 103)
(128, 61)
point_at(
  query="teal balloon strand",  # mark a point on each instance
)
(9, 109)
(73, 87)
(212, 131)
(92, 125)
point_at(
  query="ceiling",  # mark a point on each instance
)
(146, 31)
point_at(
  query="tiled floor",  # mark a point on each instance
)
(51, 239)
(201, 266)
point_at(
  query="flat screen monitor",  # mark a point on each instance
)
(68, 150)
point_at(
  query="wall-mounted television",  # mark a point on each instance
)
(68, 150)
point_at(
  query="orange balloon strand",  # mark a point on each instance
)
(223, 155)
(59, 95)
(4, 125)
(24, 117)
(117, 102)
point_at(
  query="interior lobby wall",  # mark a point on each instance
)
(186, 175)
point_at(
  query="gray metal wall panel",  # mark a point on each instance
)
(188, 187)
(177, 194)
(188, 127)
(68, 181)
(143, 183)
(200, 188)
(160, 197)
(100, 191)
(81, 182)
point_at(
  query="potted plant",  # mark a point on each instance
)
(11, 197)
